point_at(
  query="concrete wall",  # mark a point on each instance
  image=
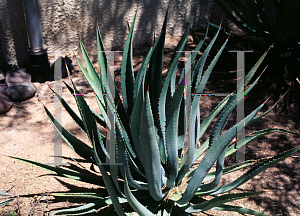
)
(63, 20)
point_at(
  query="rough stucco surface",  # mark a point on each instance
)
(63, 20)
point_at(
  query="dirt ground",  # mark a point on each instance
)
(26, 132)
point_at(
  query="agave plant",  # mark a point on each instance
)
(152, 171)
(276, 23)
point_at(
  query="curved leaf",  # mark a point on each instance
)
(150, 151)
(75, 144)
(60, 171)
(127, 77)
(172, 134)
(255, 170)
(214, 202)
(211, 156)
(167, 80)
(134, 203)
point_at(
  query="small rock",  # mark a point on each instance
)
(2, 88)
(21, 92)
(17, 76)
(37, 85)
(5, 103)
(44, 92)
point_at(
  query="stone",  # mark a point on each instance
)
(44, 92)
(17, 76)
(5, 103)
(21, 92)
(3, 87)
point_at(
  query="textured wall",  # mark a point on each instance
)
(63, 20)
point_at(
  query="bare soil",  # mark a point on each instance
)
(26, 132)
